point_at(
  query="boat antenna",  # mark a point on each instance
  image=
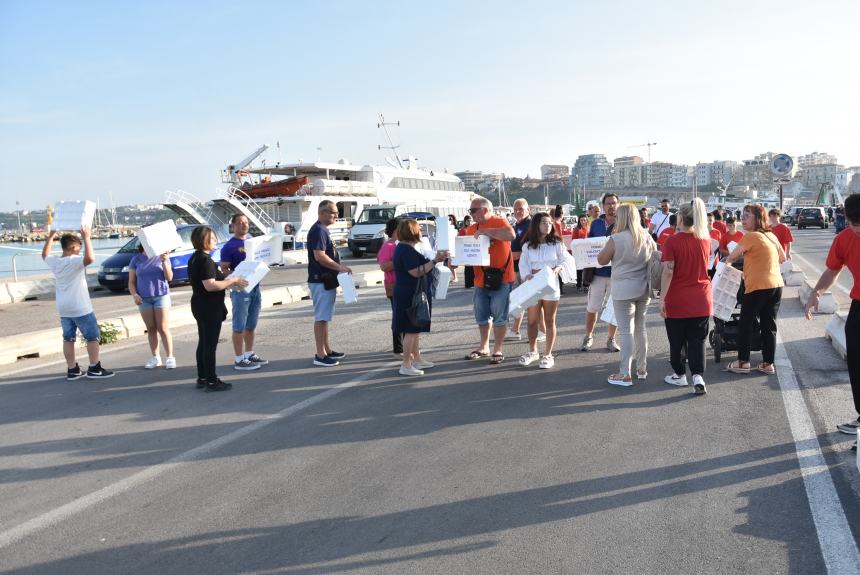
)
(384, 125)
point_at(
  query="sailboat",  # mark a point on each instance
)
(114, 229)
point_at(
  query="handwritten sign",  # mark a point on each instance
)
(268, 249)
(585, 252)
(471, 251)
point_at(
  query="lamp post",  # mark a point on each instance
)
(18, 213)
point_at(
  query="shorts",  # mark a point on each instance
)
(246, 309)
(323, 301)
(492, 304)
(86, 323)
(157, 301)
(598, 291)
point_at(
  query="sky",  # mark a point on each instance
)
(129, 99)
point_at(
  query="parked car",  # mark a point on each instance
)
(790, 216)
(812, 217)
(113, 273)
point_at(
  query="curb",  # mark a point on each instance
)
(50, 341)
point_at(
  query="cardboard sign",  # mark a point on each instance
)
(725, 286)
(347, 286)
(252, 271)
(471, 251)
(160, 238)
(585, 251)
(443, 280)
(446, 237)
(71, 216)
(529, 293)
(268, 249)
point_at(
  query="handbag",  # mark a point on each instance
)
(493, 276)
(329, 279)
(418, 311)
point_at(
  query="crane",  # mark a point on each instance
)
(649, 144)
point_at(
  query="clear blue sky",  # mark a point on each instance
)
(133, 98)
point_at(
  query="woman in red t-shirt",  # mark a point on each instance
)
(780, 230)
(687, 304)
(580, 232)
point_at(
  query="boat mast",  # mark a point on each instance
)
(384, 125)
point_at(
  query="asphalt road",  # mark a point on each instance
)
(470, 469)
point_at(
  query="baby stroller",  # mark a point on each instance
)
(724, 336)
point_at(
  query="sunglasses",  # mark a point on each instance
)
(475, 210)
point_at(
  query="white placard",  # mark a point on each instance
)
(568, 269)
(529, 292)
(443, 281)
(252, 271)
(446, 237)
(268, 249)
(585, 251)
(425, 249)
(731, 246)
(347, 286)
(786, 267)
(160, 238)
(471, 251)
(71, 216)
(608, 314)
(725, 286)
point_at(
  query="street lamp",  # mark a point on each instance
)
(18, 212)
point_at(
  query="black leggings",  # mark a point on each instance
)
(690, 332)
(469, 276)
(208, 331)
(852, 348)
(764, 305)
(396, 338)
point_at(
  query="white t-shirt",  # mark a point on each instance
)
(660, 221)
(73, 298)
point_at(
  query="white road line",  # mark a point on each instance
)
(818, 271)
(55, 516)
(838, 547)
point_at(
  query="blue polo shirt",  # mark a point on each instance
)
(233, 253)
(520, 229)
(600, 229)
(319, 239)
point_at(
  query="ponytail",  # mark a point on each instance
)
(695, 218)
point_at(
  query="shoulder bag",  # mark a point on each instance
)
(418, 311)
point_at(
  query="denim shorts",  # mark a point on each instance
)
(492, 304)
(86, 323)
(246, 309)
(156, 301)
(323, 301)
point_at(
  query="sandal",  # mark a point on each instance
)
(477, 354)
(497, 358)
(735, 367)
(767, 370)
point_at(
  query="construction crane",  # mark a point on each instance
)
(649, 144)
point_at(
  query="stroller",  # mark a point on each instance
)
(724, 336)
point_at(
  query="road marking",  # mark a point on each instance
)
(838, 547)
(55, 516)
(819, 271)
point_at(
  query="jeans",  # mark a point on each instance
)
(86, 323)
(629, 311)
(246, 309)
(690, 332)
(492, 304)
(763, 304)
(852, 347)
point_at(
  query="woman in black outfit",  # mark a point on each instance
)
(207, 305)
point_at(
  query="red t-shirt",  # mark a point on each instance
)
(783, 234)
(720, 225)
(580, 233)
(689, 293)
(729, 238)
(845, 251)
(665, 235)
(499, 252)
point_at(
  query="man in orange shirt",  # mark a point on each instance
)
(492, 304)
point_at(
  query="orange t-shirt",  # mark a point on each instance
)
(761, 262)
(499, 252)
(580, 233)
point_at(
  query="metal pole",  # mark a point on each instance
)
(15, 267)
(780, 197)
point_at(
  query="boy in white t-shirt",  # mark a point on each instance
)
(73, 301)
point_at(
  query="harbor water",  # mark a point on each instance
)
(28, 257)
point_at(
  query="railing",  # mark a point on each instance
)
(195, 203)
(256, 210)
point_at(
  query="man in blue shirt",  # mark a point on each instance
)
(599, 289)
(246, 306)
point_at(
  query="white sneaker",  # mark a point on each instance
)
(411, 370)
(154, 361)
(546, 362)
(618, 379)
(511, 334)
(528, 358)
(170, 363)
(541, 337)
(423, 364)
(675, 379)
(699, 385)
(611, 344)
(587, 342)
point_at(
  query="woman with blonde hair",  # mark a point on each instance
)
(629, 250)
(687, 304)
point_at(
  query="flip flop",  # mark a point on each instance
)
(735, 367)
(769, 370)
(497, 358)
(477, 354)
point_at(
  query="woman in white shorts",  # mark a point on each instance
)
(542, 247)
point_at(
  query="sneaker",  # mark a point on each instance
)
(411, 370)
(546, 362)
(218, 386)
(675, 379)
(423, 364)
(850, 428)
(611, 345)
(201, 383)
(587, 342)
(618, 379)
(699, 385)
(245, 365)
(528, 358)
(98, 372)
(154, 361)
(541, 337)
(511, 334)
(170, 363)
(74, 373)
(257, 360)
(326, 361)
(336, 354)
